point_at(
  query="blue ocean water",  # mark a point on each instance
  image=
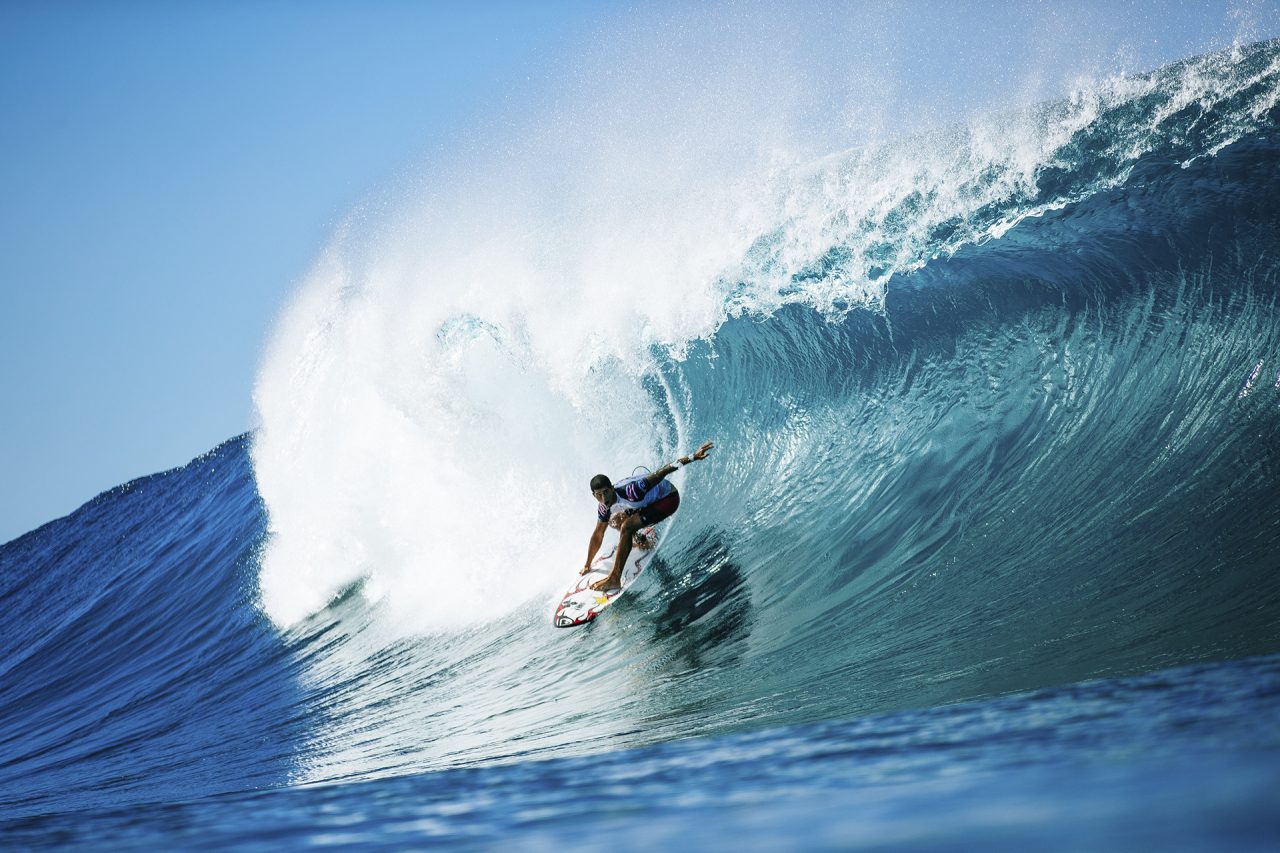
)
(986, 556)
(1182, 759)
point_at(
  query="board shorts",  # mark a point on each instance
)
(660, 509)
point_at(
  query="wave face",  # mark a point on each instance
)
(136, 666)
(995, 408)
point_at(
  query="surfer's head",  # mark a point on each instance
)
(602, 489)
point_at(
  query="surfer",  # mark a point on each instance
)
(645, 500)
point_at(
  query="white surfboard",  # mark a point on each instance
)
(581, 604)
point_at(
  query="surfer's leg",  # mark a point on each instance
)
(660, 510)
(620, 559)
(652, 514)
(625, 531)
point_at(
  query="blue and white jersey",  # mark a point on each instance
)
(633, 494)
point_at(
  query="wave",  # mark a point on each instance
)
(977, 399)
(995, 408)
(136, 664)
(438, 391)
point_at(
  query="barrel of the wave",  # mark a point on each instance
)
(582, 604)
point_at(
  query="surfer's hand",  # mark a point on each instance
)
(701, 452)
(584, 569)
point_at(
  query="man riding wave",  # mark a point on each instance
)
(644, 500)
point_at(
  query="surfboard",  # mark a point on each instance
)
(581, 604)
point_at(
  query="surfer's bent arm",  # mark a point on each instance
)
(661, 474)
(596, 539)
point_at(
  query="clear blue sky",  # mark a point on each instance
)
(169, 170)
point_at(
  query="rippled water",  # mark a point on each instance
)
(1096, 765)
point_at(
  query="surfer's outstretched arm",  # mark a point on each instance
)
(594, 546)
(661, 474)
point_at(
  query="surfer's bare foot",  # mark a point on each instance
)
(584, 570)
(610, 582)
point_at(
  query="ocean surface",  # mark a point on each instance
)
(987, 554)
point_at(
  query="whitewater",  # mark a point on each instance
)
(986, 553)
